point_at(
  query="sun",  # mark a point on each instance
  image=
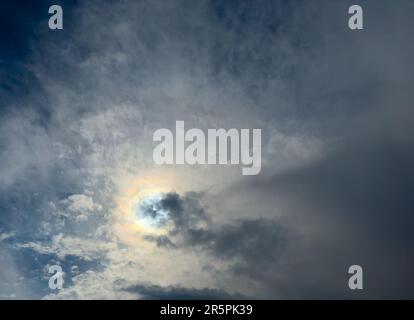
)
(138, 210)
(151, 212)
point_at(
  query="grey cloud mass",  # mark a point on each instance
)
(171, 293)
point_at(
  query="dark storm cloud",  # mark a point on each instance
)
(253, 240)
(248, 238)
(184, 211)
(161, 241)
(253, 245)
(355, 206)
(190, 220)
(177, 293)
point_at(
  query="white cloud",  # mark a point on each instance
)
(6, 235)
(61, 246)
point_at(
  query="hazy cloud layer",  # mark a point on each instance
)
(79, 107)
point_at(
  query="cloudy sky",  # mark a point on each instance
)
(78, 185)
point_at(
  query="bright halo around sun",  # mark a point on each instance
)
(139, 212)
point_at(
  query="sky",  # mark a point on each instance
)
(79, 187)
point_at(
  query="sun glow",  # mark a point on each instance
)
(137, 213)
